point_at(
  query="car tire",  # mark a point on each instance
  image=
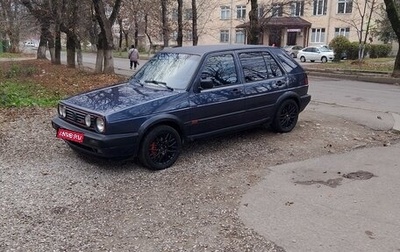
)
(160, 148)
(302, 59)
(286, 116)
(324, 59)
(293, 55)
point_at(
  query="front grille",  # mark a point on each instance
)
(77, 117)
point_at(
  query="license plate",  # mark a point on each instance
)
(70, 135)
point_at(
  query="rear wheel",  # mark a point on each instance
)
(324, 59)
(160, 148)
(293, 55)
(302, 59)
(286, 116)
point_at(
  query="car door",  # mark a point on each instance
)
(218, 103)
(264, 83)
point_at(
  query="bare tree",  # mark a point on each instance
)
(43, 12)
(11, 22)
(393, 13)
(254, 29)
(105, 43)
(195, 36)
(179, 39)
(165, 24)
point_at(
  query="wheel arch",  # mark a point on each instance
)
(163, 119)
(288, 95)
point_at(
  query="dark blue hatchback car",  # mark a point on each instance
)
(182, 94)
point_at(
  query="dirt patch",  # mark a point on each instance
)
(56, 78)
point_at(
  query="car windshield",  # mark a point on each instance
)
(324, 49)
(172, 70)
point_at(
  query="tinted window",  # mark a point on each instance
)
(259, 66)
(287, 62)
(220, 70)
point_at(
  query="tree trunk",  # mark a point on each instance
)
(394, 18)
(105, 38)
(179, 39)
(99, 60)
(254, 30)
(108, 61)
(194, 23)
(165, 28)
(57, 45)
(70, 51)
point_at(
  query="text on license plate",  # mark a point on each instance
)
(70, 135)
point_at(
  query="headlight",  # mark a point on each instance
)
(88, 120)
(62, 110)
(100, 125)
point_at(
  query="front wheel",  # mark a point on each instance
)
(286, 116)
(160, 148)
(303, 59)
(324, 59)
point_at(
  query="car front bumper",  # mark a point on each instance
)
(108, 146)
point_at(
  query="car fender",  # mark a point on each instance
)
(166, 119)
(285, 96)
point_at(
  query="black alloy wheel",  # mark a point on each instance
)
(286, 116)
(160, 148)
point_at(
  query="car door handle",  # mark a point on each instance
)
(236, 91)
(280, 83)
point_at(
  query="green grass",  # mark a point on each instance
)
(16, 94)
(384, 65)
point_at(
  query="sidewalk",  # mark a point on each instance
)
(319, 205)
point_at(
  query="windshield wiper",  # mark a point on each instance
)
(159, 83)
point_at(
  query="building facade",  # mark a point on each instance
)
(305, 23)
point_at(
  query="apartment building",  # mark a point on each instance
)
(295, 22)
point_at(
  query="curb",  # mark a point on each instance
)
(358, 76)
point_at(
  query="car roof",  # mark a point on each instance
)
(204, 49)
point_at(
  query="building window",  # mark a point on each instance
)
(342, 32)
(297, 9)
(277, 10)
(318, 35)
(225, 12)
(239, 37)
(188, 14)
(320, 7)
(241, 12)
(224, 36)
(345, 6)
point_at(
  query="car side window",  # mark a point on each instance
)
(254, 67)
(259, 66)
(220, 70)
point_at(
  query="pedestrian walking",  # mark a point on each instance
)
(133, 55)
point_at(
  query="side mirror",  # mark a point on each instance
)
(206, 83)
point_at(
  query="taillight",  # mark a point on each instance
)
(305, 79)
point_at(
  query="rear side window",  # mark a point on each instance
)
(258, 66)
(220, 70)
(287, 61)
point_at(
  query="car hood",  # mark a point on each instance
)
(116, 98)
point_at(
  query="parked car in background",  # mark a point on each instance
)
(183, 94)
(293, 50)
(313, 53)
(29, 44)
